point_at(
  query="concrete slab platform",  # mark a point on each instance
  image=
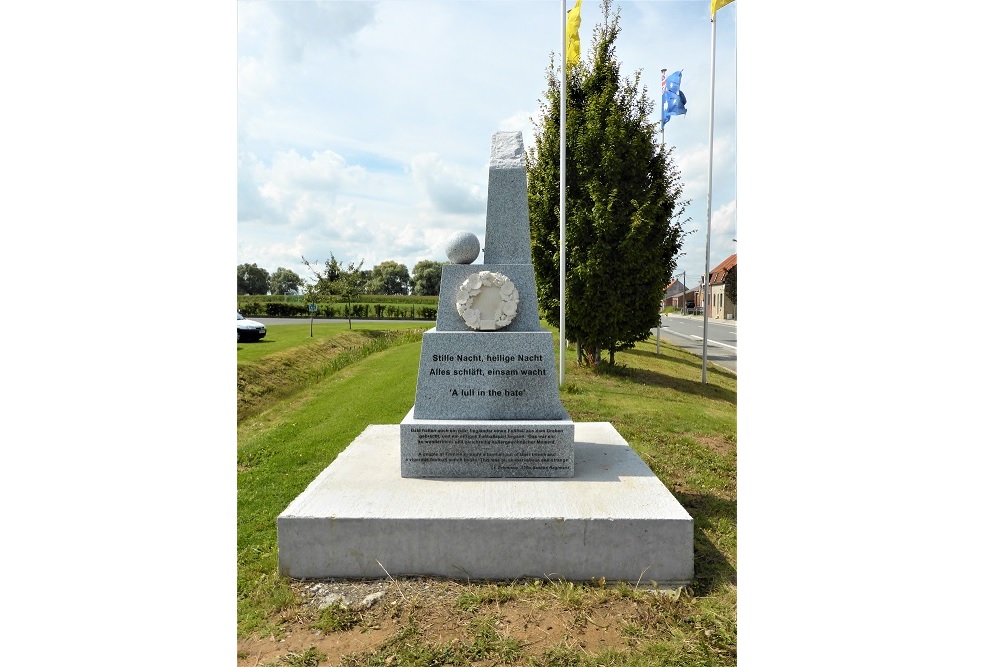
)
(612, 519)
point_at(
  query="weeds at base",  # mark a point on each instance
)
(308, 658)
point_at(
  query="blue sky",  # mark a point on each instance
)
(363, 128)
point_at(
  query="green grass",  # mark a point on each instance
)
(336, 618)
(686, 432)
(290, 360)
(308, 658)
(283, 337)
(486, 594)
(277, 457)
(683, 429)
(408, 647)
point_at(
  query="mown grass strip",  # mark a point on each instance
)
(277, 462)
(684, 430)
(262, 379)
(282, 337)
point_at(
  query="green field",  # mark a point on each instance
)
(303, 400)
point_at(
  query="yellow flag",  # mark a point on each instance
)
(718, 4)
(573, 35)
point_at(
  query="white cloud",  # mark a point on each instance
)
(325, 171)
(348, 226)
(284, 31)
(251, 204)
(364, 128)
(254, 78)
(521, 122)
(271, 253)
(449, 190)
(724, 230)
(301, 191)
(693, 165)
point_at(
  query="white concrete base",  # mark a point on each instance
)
(612, 519)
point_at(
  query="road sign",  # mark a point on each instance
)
(312, 308)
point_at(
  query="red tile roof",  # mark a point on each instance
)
(718, 274)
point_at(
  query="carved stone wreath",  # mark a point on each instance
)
(487, 301)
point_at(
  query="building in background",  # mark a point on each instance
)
(673, 295)
(683, 299)
(719, 305)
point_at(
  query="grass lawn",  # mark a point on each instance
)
(303, 400)
(282, 337)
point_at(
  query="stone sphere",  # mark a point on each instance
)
(462, 248)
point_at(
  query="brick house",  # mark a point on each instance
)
(673, 295)
(719, 306)
(678, 295)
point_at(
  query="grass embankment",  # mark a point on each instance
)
(295, 356)
(684, 430)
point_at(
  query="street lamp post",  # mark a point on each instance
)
(684, 293)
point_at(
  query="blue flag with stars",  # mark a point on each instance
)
(673, 99)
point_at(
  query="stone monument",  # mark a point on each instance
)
(487, 477)
(487, 400)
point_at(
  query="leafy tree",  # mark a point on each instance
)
(364, 277)
(389, 278)
(331, 269)
(622, 203)
(250, 279)
(285, 281)
(730, 284)
(347, 282)
(426, 278)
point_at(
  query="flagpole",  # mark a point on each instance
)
(708, 235)
(562, 204)
(663, 85)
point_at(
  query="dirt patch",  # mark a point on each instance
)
(720, 446)
(530, 617)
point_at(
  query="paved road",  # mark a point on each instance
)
(685, 332)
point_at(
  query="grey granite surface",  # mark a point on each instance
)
(484, 448)
(613, 518)
(507, 238)
(495, 375)
(523, 277)
(462, 248)
(487, 401)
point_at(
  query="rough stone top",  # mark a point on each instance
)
(507, 151)
(508, 239)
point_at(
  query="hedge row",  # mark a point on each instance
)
(361, 298)
(378, 311)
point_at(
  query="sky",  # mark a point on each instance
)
(364, 128)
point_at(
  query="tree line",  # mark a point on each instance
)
(388, 278)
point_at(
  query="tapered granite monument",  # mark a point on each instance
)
(487, 401)
(487, 477)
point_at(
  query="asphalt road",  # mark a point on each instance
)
(686, 332)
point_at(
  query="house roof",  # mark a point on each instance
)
(674, 287)
(718, 274)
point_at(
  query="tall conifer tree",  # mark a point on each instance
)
(623, 205)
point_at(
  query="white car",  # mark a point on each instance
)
(248, 331)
